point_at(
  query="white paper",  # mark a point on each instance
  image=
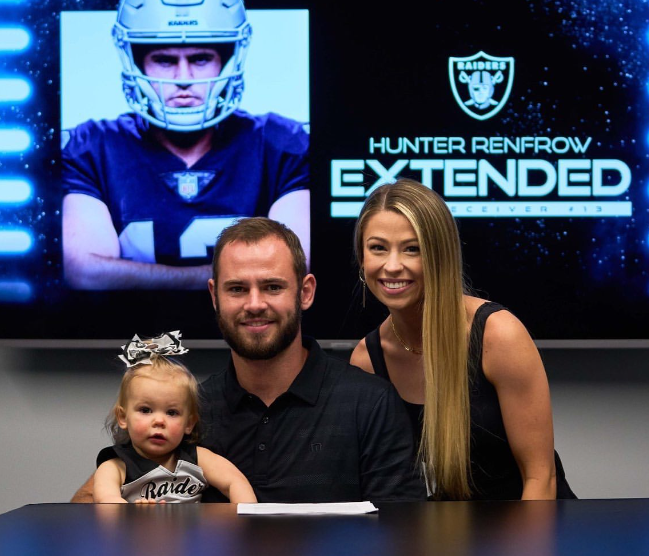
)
(332, 508)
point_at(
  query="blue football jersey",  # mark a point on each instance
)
(166, 213)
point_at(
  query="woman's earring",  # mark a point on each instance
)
(360, 277)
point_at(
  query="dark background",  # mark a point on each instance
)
(580, 71)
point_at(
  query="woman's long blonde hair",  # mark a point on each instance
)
(445, 445)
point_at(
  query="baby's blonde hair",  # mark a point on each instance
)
(161, 367)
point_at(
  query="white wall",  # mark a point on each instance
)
(601, 435)
(50, 429)
(601, 412)
(54, 402)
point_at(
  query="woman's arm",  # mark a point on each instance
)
(222, 474)
(513, 365)
(109, 479)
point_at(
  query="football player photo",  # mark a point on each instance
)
(147, 193)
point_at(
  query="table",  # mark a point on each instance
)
(569, 527)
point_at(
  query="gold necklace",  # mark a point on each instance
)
(405, 346)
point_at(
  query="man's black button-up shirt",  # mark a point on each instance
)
(338, 434)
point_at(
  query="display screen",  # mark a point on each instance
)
(531, 120)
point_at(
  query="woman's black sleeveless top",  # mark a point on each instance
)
(494, 472)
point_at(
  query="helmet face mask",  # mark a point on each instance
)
(216, 24)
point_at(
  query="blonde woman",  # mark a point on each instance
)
(467, 369)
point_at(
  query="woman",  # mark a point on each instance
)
(486, 423)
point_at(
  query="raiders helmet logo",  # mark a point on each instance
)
(481, 83)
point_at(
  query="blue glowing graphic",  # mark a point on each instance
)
(15, 242)
(15, 191)
(581, 74)
(14, 89)
(481, 73)
(14, 140)
(510, 209)
(15, 291)
(14, 39)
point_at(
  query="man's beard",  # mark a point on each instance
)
(258, 347)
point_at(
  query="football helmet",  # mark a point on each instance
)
(180, 23)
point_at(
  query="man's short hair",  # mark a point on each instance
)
(253, 230)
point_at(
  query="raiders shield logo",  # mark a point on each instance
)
(481, 83)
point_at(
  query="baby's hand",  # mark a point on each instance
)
(142, 501)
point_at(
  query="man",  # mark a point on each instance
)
(302, 426)
(147, 194)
